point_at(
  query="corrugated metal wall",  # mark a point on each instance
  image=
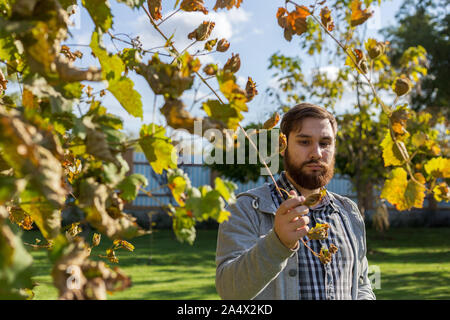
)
(201, 175)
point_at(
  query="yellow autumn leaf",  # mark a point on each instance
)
(272, 121)
(415, 192)
(319, 232)
(419, 139)
(358, 15)
(177, 186)
(118, 243)
(402, 193)
(111, 255)
(96, 239)
(282, 142)
(223, 216)
(374, 48)
(442, 192)
(394, 187)
(438, 167)
(391, 154)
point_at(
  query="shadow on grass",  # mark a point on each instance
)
(160, 267)
(199, 294)
(170, 289)
(416, 256)
(414, 286)
(409, 237)
(163, 268)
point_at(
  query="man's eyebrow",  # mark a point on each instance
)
(302, 135)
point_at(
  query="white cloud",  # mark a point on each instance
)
(273, 83)
(330, 71)
(207, 59)
(227, 25)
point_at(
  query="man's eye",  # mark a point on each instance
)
(305, 142)
(325, 144)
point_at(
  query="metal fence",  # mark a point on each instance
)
(203, 175)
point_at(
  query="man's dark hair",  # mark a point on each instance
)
(292, 119)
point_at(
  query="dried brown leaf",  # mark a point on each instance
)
(327, 20)
(250, 89)
(203, 31)
(228, 4)
(222, 45)
(154, 7)
(193, 5)
(233, 64)
(358, 15)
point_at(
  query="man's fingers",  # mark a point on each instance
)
(301, 232)
(297, 212)
(299, 223)
(289, 204)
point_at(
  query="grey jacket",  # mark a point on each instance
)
(252, 263)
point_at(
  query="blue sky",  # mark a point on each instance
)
(252, 31)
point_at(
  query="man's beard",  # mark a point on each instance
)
(305, 180)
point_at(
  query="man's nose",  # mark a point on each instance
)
(316, 151)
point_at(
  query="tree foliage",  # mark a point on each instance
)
(425, 23)
(53, 157)
(239, 162)
(379, 140)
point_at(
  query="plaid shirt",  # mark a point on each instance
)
(317, 281)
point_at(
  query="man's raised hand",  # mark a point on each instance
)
(291, 222)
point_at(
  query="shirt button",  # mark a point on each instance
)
(292, 272)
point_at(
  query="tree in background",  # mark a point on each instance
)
(363, 134)
(425, 23)
(250, 170)
(58, 142)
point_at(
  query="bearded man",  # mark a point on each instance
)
(263, 251)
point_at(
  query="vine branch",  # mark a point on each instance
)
(177, 53)
(385, 108)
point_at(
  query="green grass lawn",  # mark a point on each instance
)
(414, 264)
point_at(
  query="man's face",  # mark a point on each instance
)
(309, 156)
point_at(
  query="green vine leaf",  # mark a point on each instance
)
(130, 186)
(15, 265)
(158, 149)
(225, 189)
(225, 113)
(120, 86)
(100, 12)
